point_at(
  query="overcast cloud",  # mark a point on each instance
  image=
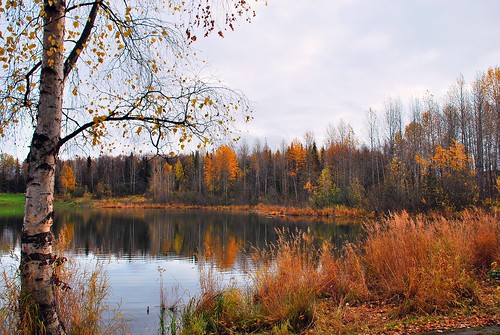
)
(307, 63)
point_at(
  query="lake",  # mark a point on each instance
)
(140, 246)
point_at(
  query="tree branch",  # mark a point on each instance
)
(28, 83)
(75, 53)
(69, 9)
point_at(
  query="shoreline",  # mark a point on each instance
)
(337, 212)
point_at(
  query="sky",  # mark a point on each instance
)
(307, 64)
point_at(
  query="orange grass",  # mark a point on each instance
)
(430, 265)
(286, 285)
(420, 265)
(267, 210)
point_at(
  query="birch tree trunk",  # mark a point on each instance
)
(37, 260)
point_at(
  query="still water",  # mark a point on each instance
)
(143, 247)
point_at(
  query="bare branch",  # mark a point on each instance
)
(77, 49)
(80, 5)
(28, 83)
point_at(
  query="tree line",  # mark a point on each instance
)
(12, 175)
(431, 155)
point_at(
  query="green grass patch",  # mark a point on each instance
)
(12, 204)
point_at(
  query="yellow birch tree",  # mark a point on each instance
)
(67, 179)
(98, 70)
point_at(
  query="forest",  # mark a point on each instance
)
(422, 155)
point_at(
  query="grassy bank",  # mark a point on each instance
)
(262, 209)
(11, 204)
(410, 275)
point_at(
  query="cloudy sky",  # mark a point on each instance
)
(305, 64)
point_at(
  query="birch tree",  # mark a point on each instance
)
(88, 70)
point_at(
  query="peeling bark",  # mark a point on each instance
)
(37, 259)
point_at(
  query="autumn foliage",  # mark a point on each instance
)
(221, 170)
(67, 179)
(450, 179)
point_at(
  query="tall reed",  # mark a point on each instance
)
(421, 264)
(430, 264)
(279, 299)
(287, 282)
(85, 308)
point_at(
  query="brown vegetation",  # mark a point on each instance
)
(409, 274)
(338, 211)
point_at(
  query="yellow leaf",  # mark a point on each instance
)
(127, 32)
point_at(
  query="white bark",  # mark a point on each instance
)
(37, 260)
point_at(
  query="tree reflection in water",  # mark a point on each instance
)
(225, 238)
(137, 243)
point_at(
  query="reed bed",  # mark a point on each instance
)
(421, 265)
(429, 265)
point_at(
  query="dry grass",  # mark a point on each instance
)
(343, 276)
(430, 265)
(84, 308)
(417, 265)
(279, 299)
(81, 301)
(336, 211)
(327, 212)
(286, 286)
(9, 298)
(290, 277)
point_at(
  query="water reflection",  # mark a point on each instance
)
(128, 234)
(138, 242)
(135, 234)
